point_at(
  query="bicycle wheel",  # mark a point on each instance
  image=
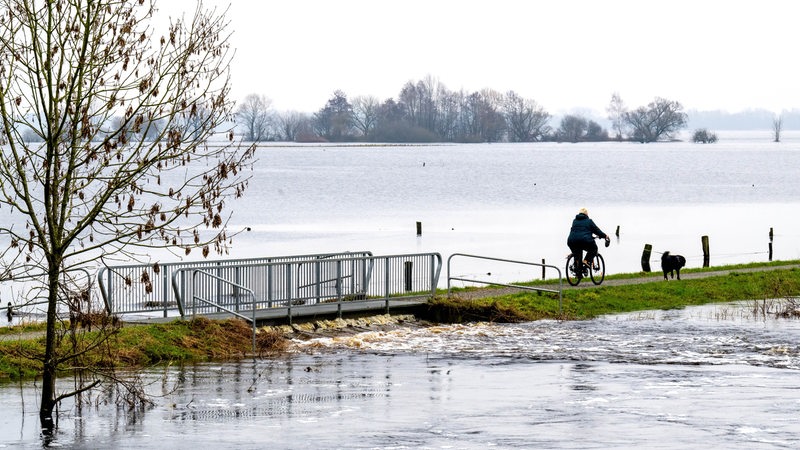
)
(573, 276)
(599, 274)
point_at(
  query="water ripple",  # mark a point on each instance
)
(704, 335)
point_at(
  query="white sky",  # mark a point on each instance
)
(565, 54)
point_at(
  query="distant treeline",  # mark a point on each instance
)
(751, 119)
(426, 111)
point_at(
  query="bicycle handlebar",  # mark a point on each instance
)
(608, 240)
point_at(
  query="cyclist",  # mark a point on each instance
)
(580, 237)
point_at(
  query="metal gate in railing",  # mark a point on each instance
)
(25, 293)
(295, 285)
(146, 288)
(451, 277)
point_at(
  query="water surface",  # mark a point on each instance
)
(516, 201)
(713, 376)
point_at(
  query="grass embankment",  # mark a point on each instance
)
(142, 345)
(581, 304)
(205, 340)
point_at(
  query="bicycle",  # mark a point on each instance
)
(576, 270)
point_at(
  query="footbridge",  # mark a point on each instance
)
(260, 290)
(274, 288)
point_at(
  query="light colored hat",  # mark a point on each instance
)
(584, 211)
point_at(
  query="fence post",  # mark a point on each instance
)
(646, 257)
(164, 289)
(269, 283)
(419, 228)
(110, 297)
(409, 266)
(387, 268)
(339, 288)
(289, 291)
(706, 252)
(771, 235)
(543, 269)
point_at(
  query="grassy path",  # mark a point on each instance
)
(762, 282)
(621, 280)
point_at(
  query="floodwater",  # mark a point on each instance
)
(517, 201)
(716, 376)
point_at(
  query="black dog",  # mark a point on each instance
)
(672, 262)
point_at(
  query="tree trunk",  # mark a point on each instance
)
(50, 365)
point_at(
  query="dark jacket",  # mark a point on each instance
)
(582, 229)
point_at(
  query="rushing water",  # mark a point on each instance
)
(713, 377)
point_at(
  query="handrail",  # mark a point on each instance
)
(160, 296)
(345, 280)
(252, 320)
(29, 276)
(494, 283)
(303, 285)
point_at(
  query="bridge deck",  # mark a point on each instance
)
(282, 313)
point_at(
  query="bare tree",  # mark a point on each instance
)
(481, 117)
(660, 119)
(291, 123)
(334, 122)
(572, 128)
(526, 120)
(616, 114)
(90, 189)
(449, 105)
(576, 128)
(255, 116)
(703, 136)
(365, 114)
(777, 126)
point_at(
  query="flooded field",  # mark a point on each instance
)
(713, 376)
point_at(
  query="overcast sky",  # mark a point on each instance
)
(567, 55)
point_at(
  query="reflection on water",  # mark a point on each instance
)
(711, 376)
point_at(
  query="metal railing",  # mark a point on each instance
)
(31, 283)
(146, 288)
(517, 286)
(197, 273)
(295, 285)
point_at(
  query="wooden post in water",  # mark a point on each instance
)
(646, 257)
(419, 228)
(617, 231)
(409, 266)
(706, 252)
(771, 235)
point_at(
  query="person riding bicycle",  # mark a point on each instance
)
(580, 237)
